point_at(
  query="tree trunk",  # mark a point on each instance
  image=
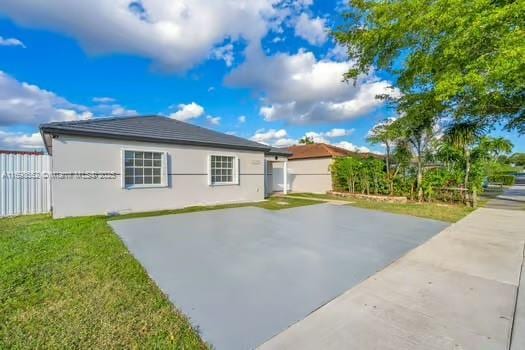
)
(389, 178)
(467, 173)
(419, 176)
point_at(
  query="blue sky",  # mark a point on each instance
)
(260, 69)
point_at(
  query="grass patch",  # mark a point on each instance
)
(71, 283)
(436, 211)
(273, 203)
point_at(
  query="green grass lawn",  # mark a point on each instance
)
(436, 211)
(71, 283)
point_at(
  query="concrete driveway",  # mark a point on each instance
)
(243, 275)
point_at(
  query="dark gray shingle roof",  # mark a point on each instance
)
(151, 129)
(277, 151)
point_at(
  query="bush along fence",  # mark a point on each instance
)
(505, 180)
(368, 176)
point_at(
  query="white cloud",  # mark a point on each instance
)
(26, 104)
(351, 147)
(103, 99)
(18, 140)
(242, 119)
(338, 53)
(277, 138)
(266, 136)
(120, 111)
(337, 132)
(324, 136)
(312, 30)
(308, 90)
(107, 107)
(176, 35)
(284, 142)
(224, 53)
(281, 138)
(11, 42)
(213, 120)
(188, 111)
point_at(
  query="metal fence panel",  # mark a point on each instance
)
(25, 185)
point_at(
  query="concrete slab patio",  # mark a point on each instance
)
(456, 291)
(243, 275)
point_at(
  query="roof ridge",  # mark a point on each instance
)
(340, 149)
(328, 148)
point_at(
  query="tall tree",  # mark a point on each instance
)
(469, 53)
(464, 135)
(494, 147)
(419, 114)
(383, 133)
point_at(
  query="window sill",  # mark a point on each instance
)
(132, 187)
(224, 184)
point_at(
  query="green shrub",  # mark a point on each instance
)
(507, 180)
(360, 175)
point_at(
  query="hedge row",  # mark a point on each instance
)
(507, 180)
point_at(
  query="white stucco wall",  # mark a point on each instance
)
(187, 178)
(309, 175)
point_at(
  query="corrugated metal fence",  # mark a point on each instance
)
(25, 186)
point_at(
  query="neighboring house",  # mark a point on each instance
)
(133, 164)
(309, 166)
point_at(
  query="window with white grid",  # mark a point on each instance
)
(222, 170)
(143, 168)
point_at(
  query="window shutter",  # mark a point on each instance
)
(209, 170)
(122, 168)
(164, 177)
(237, 170)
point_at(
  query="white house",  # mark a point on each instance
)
(146, 163)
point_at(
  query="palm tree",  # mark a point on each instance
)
(420, 111)
(306, 140)
(495, 146)
(418, 131)
(384, 133)
(464, 135)
(447, 154)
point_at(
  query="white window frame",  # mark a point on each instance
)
(163, 171)
(236, 167)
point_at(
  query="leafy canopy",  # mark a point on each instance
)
(306, 140)
(469, 55)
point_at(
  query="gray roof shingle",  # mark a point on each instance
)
(277, 151)
(151, 129)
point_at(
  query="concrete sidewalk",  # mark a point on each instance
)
(457, 291)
